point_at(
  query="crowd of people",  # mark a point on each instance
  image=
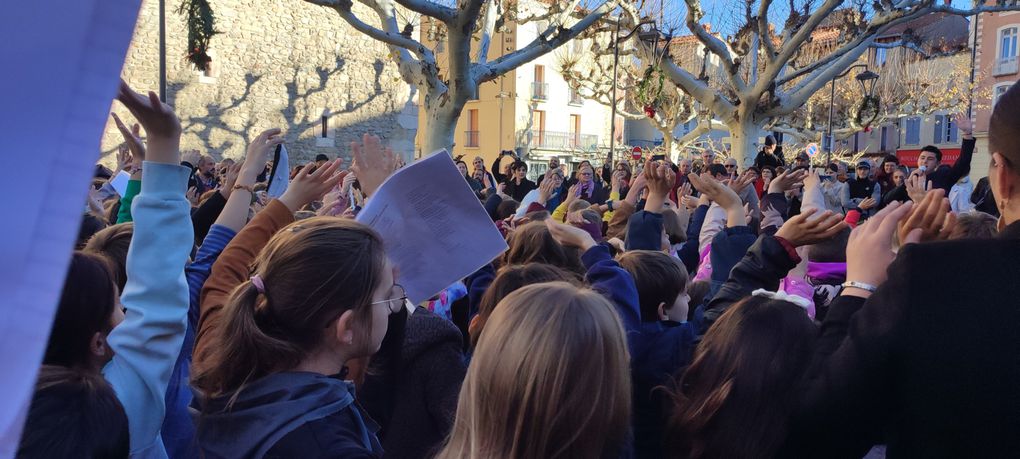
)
(688, 310)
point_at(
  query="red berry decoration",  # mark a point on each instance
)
(650, 111)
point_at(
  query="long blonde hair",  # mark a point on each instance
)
(549, 379)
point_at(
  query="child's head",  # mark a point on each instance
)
(735, 398)
(506, 209)
(698, 292)
(320, 287)
(510, 279)
(533, 243)
(550, 378)
(661, 282)
(87, 312)
(74, 413)
(975, 225)
(577, 205)
(671, 224)
(112, 243)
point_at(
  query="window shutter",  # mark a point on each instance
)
(938, 135)
(954, 135)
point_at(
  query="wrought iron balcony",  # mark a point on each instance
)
(560, 140)
(540, 91)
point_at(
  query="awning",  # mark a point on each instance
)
(909, 157)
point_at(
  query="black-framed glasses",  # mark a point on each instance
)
(730, 166)
(401, 298)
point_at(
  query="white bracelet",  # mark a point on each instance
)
(860, 285)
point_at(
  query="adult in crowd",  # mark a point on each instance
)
(862, 192)
(884, 177)
(205, 175)
(481, 175)
(501, 166)
(768, 156)
(475, 185)
(518, 186)
(886, 347)
(554, 163)
(931, 169)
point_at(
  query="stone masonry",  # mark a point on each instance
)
(276, 63)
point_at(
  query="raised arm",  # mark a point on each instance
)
(962, 165)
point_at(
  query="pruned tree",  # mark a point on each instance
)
(764, 77)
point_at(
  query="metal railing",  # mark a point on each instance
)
(644, 143)
(471, 139)
(540, 91)
(560, 140)
(1006, 66)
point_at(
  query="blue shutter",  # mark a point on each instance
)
(939, 131)
(913, 131)
(953, 130)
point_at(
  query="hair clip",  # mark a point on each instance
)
(256, 280)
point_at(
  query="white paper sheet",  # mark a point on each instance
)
(281, 174)
(436, 231)
(120, 182)
(65, 61)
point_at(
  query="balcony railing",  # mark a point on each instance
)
(644, 143)
(540, 91)
(1006, 66)
(471, 140)
(560, 140)
(575, 98)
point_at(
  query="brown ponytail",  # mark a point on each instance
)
(312, 272)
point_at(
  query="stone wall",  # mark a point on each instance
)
(276, 63)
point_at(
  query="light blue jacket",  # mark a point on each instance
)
(147, 343)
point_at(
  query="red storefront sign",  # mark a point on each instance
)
(909, 157)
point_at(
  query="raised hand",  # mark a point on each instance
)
(132, 139)
(965, 125)
(570, 236)
(308, 186)
(372, 163)
(715, 190)
(571, 193)
(232, 173)
(786, 181)
(867, 203)
(348, 182)
(931, 219)
(125, 162)
(812, 181)
(869, 251)
(257, 154)
(192, 196)
(546, 190)
(803, 230)
(660, 179)
(159, 121)
(738, 184)
(917, 186)
(617, 180)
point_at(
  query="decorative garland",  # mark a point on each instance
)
(200, 21)
(650, 89)
(869, 105)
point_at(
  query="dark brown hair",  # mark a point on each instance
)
(533, 243)
(735, 399)
(975, 225)
(313, 271)
(509, 279)
(85, 308)
(659, 278)
(506, 209)
(112, 242)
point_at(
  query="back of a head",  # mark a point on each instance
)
(508, 280)
(85, 308)
(90, 225)
(1004, 127)
(659, 278)
(735, 398)
(311, 272)
(831, 250)
(533, 243)
(671, 224)
(506, 209)
(717, 170)
(112, 242)
(74, 414)
(975, 225)
(577, 205)
(549, 378)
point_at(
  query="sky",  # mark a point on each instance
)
(727, 15)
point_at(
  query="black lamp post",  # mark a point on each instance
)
(867, 79)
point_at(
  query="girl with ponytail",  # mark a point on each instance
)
(276, 330)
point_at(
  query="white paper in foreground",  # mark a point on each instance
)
(436, 231)
(65, 58)
(120, 182)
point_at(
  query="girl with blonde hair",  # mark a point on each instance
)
(550, 379)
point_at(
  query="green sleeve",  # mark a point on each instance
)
(133, 188)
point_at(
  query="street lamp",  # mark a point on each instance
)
(616, 63)
(867, 79)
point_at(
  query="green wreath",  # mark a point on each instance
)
(650, 86)
(868, 112)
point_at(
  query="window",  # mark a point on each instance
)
(539, 89)
(323, 133)
(538, 130)
(913, 128)
(945, 130)
(472, 132)
(212, 70)
(880, 56)
(539, 74)
(1007, 62)
(1000, 90)
(885, 131)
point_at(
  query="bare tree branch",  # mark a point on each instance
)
(717, 46)
(488, 27)
(431, 9)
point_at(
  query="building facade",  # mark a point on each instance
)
(530, 110)
(276, 63)
(996, 56)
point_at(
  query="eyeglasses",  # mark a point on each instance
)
(400, 299)
(730, 166)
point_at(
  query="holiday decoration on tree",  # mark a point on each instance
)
(200, 21)
(868, 112)
(650, 89)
